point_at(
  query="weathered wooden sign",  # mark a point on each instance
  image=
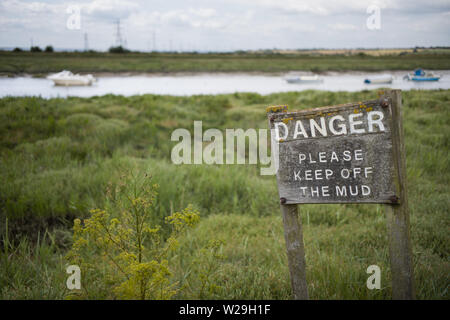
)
(352, 153)
(337, 154)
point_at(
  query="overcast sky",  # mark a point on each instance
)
(223, 25)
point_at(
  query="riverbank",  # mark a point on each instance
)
(41, 63)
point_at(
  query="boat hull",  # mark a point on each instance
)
(305, 79)
(379, 79)
(71, 82)
(67, 79)
(425, 79)
(370, 81)
(421, 75)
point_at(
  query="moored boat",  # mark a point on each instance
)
(67, 78)
(421, 75)
(304, 79)
(379, 79)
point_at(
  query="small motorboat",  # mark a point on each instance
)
(67, 78)
(379, 79)
(421, 75)
(304, 79)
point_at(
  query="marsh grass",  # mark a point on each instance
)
(32, 270)
(59, 155)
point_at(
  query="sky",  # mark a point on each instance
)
(225, 25)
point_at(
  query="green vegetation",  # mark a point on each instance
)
(118, 49)
(60, 156)
(35, 49)
(117, 61)
(121, 254)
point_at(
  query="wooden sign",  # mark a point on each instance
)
(352, 153)
(337, 154)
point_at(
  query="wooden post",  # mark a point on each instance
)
(397, 214)
(293, 236)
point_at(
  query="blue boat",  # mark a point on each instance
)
(421, 75)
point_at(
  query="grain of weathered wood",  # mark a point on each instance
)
(293, 235)
(374, 145)
(397, 215)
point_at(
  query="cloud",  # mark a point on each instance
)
(203, 12)
(15, 6)
(191, 17)
(336, 7)
(109, 9)
(417, 6)
(31, 15)
(343, 27)
(319, 7)
(240, 24)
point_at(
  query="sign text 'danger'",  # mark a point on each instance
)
(337, 154)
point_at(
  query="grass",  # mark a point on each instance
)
(40, 63)
(58, 155)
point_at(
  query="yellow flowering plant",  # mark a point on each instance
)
(121, 255)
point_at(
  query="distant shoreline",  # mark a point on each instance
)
(322, 51)
(218, 73)
(42, 63)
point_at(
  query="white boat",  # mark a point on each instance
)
(304, 79)
(67, 78)
(379, 79)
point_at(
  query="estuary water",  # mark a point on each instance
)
(209, 83)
